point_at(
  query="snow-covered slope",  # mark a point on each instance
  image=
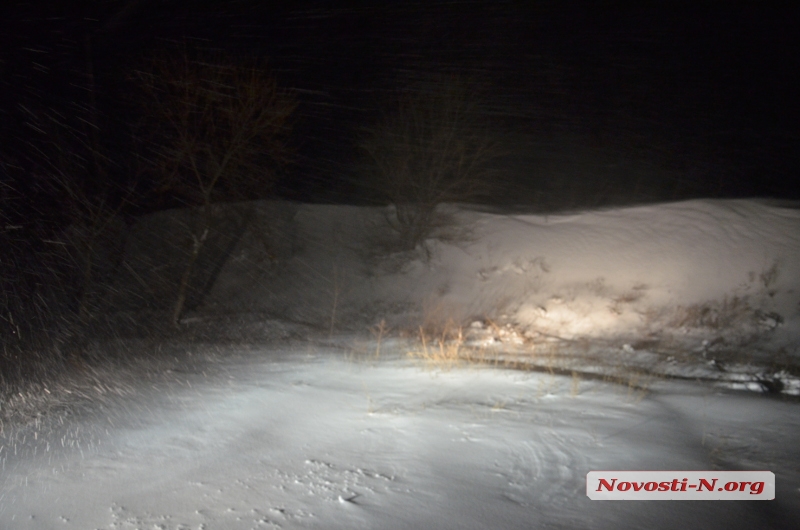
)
(723, 272)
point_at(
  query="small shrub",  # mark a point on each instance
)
(435, 147)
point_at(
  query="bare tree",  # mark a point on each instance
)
(434, 148)
(216, 128)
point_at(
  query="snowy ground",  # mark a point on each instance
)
(308, 437)
(659, 337)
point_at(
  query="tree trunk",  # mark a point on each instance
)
(183, 287)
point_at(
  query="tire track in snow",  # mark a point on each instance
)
(544, 472)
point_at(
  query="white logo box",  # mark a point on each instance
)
(680, 485)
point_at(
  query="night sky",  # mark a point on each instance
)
(707, 96)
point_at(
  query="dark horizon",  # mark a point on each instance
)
(587, 98)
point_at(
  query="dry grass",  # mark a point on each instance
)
(449, 348)
(379, 331)
(442, 353)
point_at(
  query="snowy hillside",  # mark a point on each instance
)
(715, 279)
(660, 337)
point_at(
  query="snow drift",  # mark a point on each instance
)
(703, 270)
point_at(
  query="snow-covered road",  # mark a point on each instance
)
(311, 437)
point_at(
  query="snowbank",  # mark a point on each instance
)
(702, 269)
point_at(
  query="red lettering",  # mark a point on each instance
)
(663, 486)
(609, 487)
(704, 483)
(650, 486)
(624, 486)
(731, 486)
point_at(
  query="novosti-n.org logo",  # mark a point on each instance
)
(680, 485)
